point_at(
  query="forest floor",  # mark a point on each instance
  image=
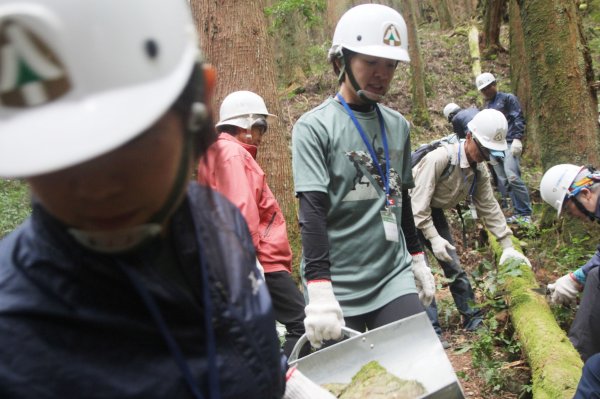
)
(448, 79)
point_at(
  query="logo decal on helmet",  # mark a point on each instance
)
(499, 136)
(391, 37)
(30, 72)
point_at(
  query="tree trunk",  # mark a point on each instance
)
(563, 103)
(555, 364)
(519, 77)
(443, 14)
(473, 37)
(492, 20)
(420, 112)
(233, 36)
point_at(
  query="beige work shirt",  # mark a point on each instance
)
(434, 191)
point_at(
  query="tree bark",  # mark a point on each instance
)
(233, 36)
(519, 77)
(555, 364)
(420, 112)
(563, 114)
(443, 14)
(492, 20)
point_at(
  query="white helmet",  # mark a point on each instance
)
(484, 80)
(240, 108)
(450, 108)
(81, 78)
(372, 29)
(490, 127)
(556, 182)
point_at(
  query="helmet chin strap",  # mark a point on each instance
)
(590, 215)
(133, 238)
(365, 95)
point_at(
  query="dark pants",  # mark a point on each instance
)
(288, 303)
(589, 384)
(585, 329)
(399, 308)
(460, 286)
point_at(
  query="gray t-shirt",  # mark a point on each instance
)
(329, 156)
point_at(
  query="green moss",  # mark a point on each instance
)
(555, 364)
(375, 382)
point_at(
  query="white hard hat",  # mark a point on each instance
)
(490, 128)
(450, 108)
(556, 182)
(240, 108)
(81, 78)
(484, 80)
(373, 29)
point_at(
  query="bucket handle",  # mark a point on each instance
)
(347, 332)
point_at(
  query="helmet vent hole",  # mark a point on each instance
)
(359, 38)
(151, 48)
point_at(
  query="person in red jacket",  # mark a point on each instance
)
(230, 168)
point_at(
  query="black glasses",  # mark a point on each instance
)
(260, 125)
(485, 153)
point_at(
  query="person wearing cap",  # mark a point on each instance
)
(575, 191)
(469, 181)
(125, 281)
(362, 262)
(508, 169)
(229, 166)
(459, 118)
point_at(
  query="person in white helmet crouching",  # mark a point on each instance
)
(468, 181)
(127, 280)
(575, 190)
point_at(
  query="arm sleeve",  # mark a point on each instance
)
(426, 173)
(230, 181)
(487, 206)
(515, 114)
(313, 229)
(593, 262)
(413, 244)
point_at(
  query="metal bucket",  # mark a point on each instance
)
(407, 348)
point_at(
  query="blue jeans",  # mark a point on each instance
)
(508, 172)
(589, 384)
(460, 287)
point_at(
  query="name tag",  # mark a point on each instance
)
(390, 226)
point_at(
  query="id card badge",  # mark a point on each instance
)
(473, 211)
(389, 225)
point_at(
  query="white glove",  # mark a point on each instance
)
(260, 268)
(324, 320)
(440, 247)
(516, 148)
(298, 386)
(423, 279)
(511, 253)
(564, 290)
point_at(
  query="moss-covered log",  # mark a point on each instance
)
(555, 364)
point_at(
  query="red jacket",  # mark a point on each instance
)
(229, 167)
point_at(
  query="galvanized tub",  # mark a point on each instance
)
(407, 348)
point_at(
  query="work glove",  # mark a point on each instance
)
(516, 148)
(298, 386)
(512, 253)
(423, 279)
(260, 268)
(440, 247)
(324, 320)
(564, 290)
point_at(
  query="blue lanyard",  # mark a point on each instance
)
(472, 189)
(174, 348)
(385, 178)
